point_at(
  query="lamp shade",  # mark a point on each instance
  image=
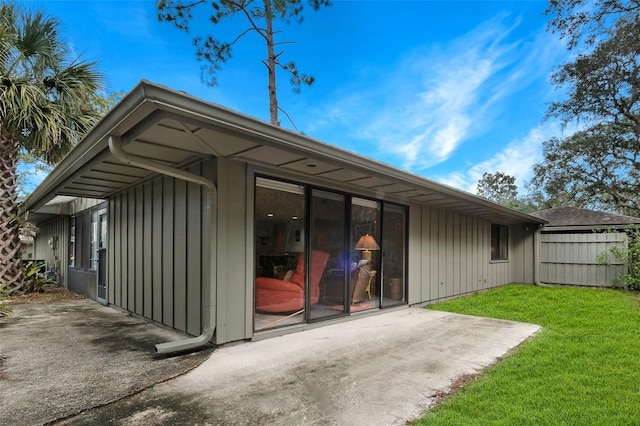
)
(367, 242)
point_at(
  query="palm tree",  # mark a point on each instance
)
(44, 109)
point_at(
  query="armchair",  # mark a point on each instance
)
(278, 295)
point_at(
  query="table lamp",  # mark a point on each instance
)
(366, 243)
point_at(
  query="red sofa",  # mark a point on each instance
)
(276, 295)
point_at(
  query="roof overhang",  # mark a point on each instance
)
(177, 129)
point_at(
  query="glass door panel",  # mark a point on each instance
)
(101, 231)
(280, 285)
(394, 254)
(365, 255)
(328, 261)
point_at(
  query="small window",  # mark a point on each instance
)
(499, 242)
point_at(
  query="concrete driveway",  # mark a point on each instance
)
(377, 370)
(59, 359)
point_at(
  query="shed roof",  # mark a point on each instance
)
(172, 127)
(568, 217)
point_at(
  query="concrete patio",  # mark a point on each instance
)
(377, 370)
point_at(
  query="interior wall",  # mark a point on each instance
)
(156, 235)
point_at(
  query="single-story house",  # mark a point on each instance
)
(228, 228)
(573, 241)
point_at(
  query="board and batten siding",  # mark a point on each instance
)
(455, 255)
(572, 258)
(156, 233)
(58, 259)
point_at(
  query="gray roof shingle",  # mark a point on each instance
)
(573, 216)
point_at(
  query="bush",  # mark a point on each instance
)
(34, 281)
(630, 257)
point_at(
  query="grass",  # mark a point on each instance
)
(583, 368)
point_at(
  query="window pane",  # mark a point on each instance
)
(365, 255)
(93, 243)
(280, 261)
(327, 280)
(394, 254)
(499, 242)
(72, 242)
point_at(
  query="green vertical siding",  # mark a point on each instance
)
(155, 250)
(455, 255)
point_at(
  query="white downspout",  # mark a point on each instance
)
(209, 291)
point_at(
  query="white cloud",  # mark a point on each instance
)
(517, 159)
(439, 98)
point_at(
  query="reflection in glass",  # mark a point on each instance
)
(280, 260)
(394, 255)
(327, 263)
(365, 257)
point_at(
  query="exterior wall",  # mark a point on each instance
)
(156, 238)
(83, 282)
(154, 251)
(572, 258)
(81, 204)
(522, 246)
(450, 255)
(234, 254)
(57, 260)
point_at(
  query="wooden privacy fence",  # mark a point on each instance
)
(573, 258)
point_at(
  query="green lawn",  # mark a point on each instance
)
(583, 368)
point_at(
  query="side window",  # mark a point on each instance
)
(499, 242)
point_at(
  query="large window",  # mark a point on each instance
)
(87, 233)
(322, 254)
(280, 241)
(365, 291)
(394, 253)
(499, 242)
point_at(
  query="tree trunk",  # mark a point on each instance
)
(10, 254)
(271, 64)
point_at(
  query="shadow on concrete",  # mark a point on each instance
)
(60, 359)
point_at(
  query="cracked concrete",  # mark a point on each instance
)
(377, 370)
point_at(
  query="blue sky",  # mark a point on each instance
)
(445, 89)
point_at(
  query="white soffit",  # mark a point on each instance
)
(268, 155)
(309, 166)
(224, 144)
(343, 175)
(371, 182)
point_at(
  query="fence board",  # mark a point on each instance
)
(573, 258)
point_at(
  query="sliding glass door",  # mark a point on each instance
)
(280, 288)
(321, 254)
(328, 249)
(394, 256)
(365, 257)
